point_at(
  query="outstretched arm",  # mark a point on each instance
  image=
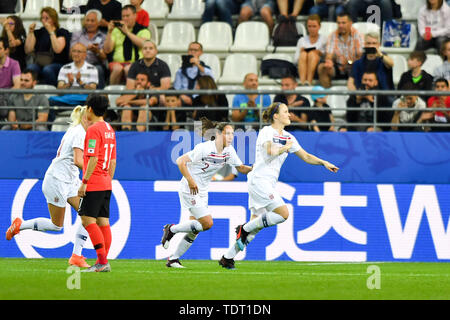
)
(312, 159)
(244, 169)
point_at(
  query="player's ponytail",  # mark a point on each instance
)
(211, 128)
(76, 115)
(270, 111)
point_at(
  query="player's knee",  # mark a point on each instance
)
(207, 224)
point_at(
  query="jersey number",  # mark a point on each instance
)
(108, 152)
(206, 166)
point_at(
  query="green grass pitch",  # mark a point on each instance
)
(206, 280)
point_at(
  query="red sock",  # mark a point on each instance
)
(98, 242)
(106, 230)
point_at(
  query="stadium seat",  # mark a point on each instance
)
(327, 27)
(112, 97)
(154, 32)
(410, 9)
(61, 123)
(45, 86)
(400, 66)
(176, 37)
(265, 80)
(230, 96)
(212, 61)
(301, 31)
(74, 17)
(236, 66)
(174, 62)
(18, 11)
(251, 36)
(211, 42)
(433, 61)
(412, 43)
(33, 8)
(269, 87)
(338, 101)
(186, 10)
(366, 27)
(157, 9)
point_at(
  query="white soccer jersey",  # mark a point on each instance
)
(205, 162)
(89, 74)
(62, 166)
(268, 167)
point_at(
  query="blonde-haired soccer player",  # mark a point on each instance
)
(198, 167)
(266, 206)
(60, 186)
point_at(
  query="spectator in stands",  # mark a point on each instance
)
(344, 46)
(293, 8)
(14, 31)
(441, 84)
(9, 75)
(366, 100)
(293, 101)
(110, 9)
(142, 16)
(209, 100)
(328, 9)
(157, 70)
(94, 40)
(320, 112)
(246, 107)
(309, 50)
(416, 76)
(78, 74)
(125, 41)
(190, 70)
(433, 25)
(50, 46)
(364, 9)
(412, 107)
(8, 6)
(224, 9)
(173, 117)
(141, 116)
(28, 80)
(169, 4)
(443, 71)
(264, 7)
(372, 60)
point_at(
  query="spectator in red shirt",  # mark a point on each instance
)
(441, 84)
(142, 16)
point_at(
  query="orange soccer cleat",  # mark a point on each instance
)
(79, 261)
(13, 229)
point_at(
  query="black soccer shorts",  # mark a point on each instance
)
(95, 204)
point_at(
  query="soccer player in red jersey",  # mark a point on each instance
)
(98, 172)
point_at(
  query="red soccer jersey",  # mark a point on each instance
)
(100, 142)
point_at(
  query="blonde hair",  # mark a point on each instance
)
(77, 115)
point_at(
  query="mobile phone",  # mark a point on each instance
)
(186, 58)
(118, 24)
(309, 49)
(370, 50)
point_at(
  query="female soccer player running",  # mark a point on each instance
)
(198, 167)
(60, 185)
(266, 205)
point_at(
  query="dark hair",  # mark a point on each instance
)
(98, 102)
(19, 30)
(442, 49)
(439, 4)
(207, 82)
(172, 93)
(270, 111)
(441, 80)
(344, 14)
(129, 6)
(34, 74)
(408, 86)
(212, 127)
(144, 73)
(418, 55)
(5, 42)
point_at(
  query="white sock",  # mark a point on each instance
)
(184, 245)
(265, 220)
(190, 226)
(39, 224)
(234, 250)
(80, 239)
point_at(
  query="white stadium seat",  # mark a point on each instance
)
(186, 9)
(157, 9)
(410, 8)
(215, 36)
(327, 27)
(433, 61)
(400, 66)
(61, 123)
(154, 32)
(251, 36)
(33, 8)
(45, 86)
(213, 62)
(112, 97)
(366, 27)
(265, 80)
(174, 62)
(236, 66)
(338, 101)
(18, 11)
(176, 37)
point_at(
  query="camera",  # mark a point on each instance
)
(370, 50)
(186, 61)
(118, 24)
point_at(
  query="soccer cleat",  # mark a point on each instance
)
(167, 235)
(13, 229)
(241, 236)
(98, 268)
(79, 261)
(227, 263)
(175, 263)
